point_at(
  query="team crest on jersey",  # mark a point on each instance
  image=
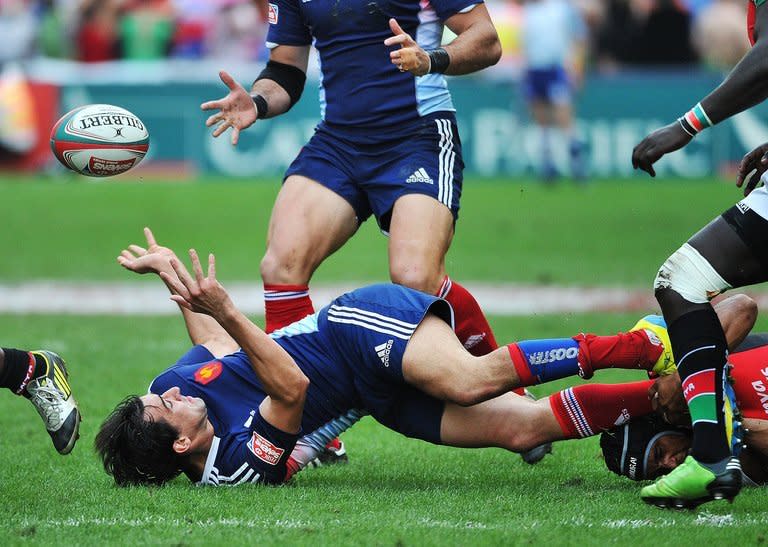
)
(265, 450)
(208, 373)
(273, 12)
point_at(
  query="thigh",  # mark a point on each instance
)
(420, 234)
(309, 222)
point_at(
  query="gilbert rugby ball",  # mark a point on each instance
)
(99, 140)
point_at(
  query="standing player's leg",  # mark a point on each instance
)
(731, 251)
(309, 222)
(41, 376)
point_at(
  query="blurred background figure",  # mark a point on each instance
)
(146, 29)
(554, 49)
(718, 33)
(239, 30)
(97, 38)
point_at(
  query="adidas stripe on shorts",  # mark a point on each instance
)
(372, 171)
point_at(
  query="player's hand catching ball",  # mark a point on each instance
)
(201, 294)
(152, 259)
(236, 110)
(752, 167)
(410, 57)
(662, 141)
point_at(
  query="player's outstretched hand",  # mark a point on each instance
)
(410, 57)
(201, 294)
(236, 110)
(752, 167)
(667, 399)
(152, 259)
(662, 141)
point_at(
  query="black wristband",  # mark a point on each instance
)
(261, 106)
(438, 61)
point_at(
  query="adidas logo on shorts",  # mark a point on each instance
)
(382, 350)
(420, 175)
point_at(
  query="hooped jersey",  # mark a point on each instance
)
(750, 374)
(360, 88)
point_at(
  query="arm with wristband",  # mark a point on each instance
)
(275, 91)
(744, 87)
(475, 47)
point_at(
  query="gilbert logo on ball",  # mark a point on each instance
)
(99, 140)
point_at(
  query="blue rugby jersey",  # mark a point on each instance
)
(360, 88)
(351, 351)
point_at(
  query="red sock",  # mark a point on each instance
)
(623, 350)
(284, 304)
(472, 327)
(590, 409)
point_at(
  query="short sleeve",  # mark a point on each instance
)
(267, 450)
(287, 26)
(447, 8)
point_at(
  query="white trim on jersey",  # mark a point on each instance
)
(209, 461)
(371, 321)
(446, 161)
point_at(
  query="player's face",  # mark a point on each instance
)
(187, 414)
(666, 453)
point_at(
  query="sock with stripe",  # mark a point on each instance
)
(700, 349)
(18, 368)
(539, 361)
(472, 328)
(284, 304)
(590, 409)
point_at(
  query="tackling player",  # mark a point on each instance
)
(731, 251)
(41, 376)
(228, 416)
(646, 447)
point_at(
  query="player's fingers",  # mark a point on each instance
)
(196, 266)
(151, 241)
(185, 280)
(395, 40)
(176, 286)
(212, 105)
(214, 119)
(228, 80)
(211, 267)
(221, 128)
(395, 27)
(235, 136)
(137, 250)
(181, 301)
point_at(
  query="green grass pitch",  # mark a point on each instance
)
(394, 491)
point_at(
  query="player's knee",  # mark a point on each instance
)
(416, 277)
(746, 307)
(690, 275)
(284, 267)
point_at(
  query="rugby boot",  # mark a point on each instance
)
(691, 484)
(335, 452)
(734, 427)
(52, 397)
(656, 329)
(537, 453)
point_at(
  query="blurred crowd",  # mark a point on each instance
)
(107, 30)
(621, 32)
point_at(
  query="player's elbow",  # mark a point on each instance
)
(494, 49)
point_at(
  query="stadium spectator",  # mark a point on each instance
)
(97, 35)
(238, 31)
(146, 29)
(645, 32)
(231, 418)
(554, 52)
(718, 34)
(731, 251)
(194, 21)
(41, 376)
(18, 27)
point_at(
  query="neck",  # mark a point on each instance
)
(198, 454)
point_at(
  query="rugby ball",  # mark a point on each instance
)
(99, 140)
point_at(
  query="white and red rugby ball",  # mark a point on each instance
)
(99, 140)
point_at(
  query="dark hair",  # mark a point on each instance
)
(134, 448)
(626, 447)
